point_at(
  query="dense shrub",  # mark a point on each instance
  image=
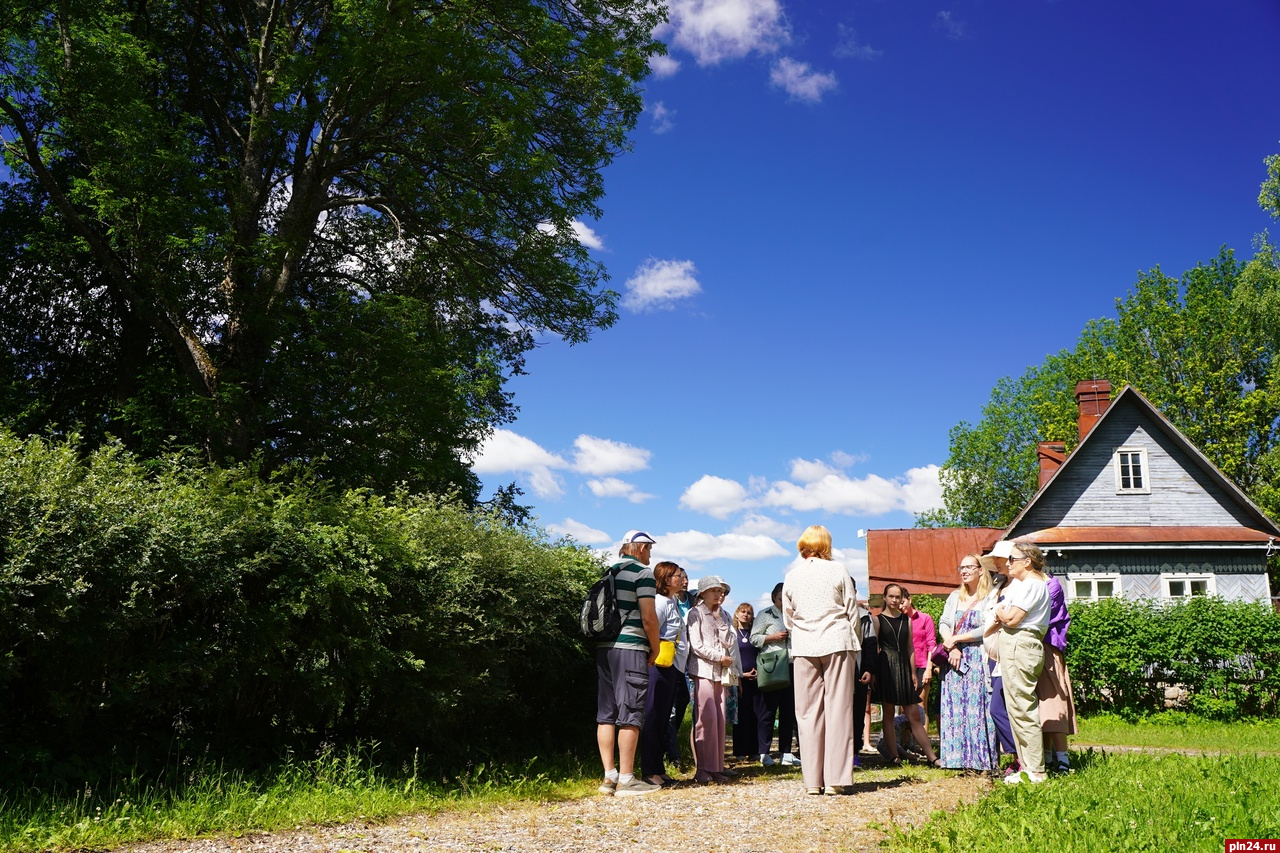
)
(146, 609)
(1225, 654)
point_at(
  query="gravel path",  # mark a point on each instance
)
(762, 811)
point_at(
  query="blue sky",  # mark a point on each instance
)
(843, 222)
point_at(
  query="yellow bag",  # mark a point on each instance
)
(666, 653)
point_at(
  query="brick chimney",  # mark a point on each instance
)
(1092, 397)
(1051, 455)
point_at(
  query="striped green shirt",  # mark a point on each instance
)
(634, 581)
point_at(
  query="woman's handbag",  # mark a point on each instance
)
(666, 653)
(773, 670)
(941, 658)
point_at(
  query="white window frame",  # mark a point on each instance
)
(1210, 588)
(1117, 590)
(1145, 488)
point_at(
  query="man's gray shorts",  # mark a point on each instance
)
(622, 682)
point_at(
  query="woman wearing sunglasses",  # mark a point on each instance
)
(1022, 620)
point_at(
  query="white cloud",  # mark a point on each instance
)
(839, 493)
(807, 471)
(849, 47)
(716, 30)
(814, 486)
(848, 460)
(697, 546)
(586, 236)
(800, 81)
(583, 533)
(582, 232)
(922, 490)
(507, 452)
(950, 24)
(757, 524)
(661, 118)
(599, 456)
(715, 496)
(658, 284)
(612, 487)
(663, 66)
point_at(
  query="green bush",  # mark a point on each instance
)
(1225, 654)
(148, 609)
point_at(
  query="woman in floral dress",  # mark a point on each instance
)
(966, 729)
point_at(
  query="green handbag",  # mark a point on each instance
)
(773, 670)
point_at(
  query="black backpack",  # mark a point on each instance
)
(601, 619)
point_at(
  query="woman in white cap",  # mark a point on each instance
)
(711, 643)
(819, 604)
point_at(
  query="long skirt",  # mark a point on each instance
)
(967, 731)
(1057, 708)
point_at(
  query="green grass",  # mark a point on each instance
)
(1175, 730)
(331, 789)
(1116, 802)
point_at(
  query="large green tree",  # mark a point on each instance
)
(302, 229)
(1203, 349)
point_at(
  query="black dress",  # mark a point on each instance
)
(895, 676)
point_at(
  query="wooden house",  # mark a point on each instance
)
(1135, 510)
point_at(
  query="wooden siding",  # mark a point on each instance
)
(1228, 587)
(1147, 562)
(1244, 587)
(1084, 492)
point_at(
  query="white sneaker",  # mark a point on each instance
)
(790, 759)
(767, 760)
(1023, 776)
(634, 788)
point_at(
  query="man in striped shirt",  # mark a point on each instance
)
(622, 668)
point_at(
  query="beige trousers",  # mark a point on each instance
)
(824, 718)
(1021, 659)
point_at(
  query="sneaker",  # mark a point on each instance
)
(791, 760)
(767, 760)
(856, 763)
(1023, 776)
(634, 788)
(606, 787)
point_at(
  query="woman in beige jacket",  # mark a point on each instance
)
(819, 606)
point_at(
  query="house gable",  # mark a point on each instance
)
(1178, 493)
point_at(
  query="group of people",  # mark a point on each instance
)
(814, 660)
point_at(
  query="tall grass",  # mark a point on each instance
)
(333, 788)
(1177, 730)
(1116, 802)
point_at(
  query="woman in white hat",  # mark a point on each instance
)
(711, 645)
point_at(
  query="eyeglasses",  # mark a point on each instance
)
(970, 568)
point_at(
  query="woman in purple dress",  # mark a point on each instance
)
(966, 730)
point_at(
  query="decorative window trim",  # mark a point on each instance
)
(1092, 578)
(1121, 460)
(1186, 579)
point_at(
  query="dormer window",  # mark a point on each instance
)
(1132, 475)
